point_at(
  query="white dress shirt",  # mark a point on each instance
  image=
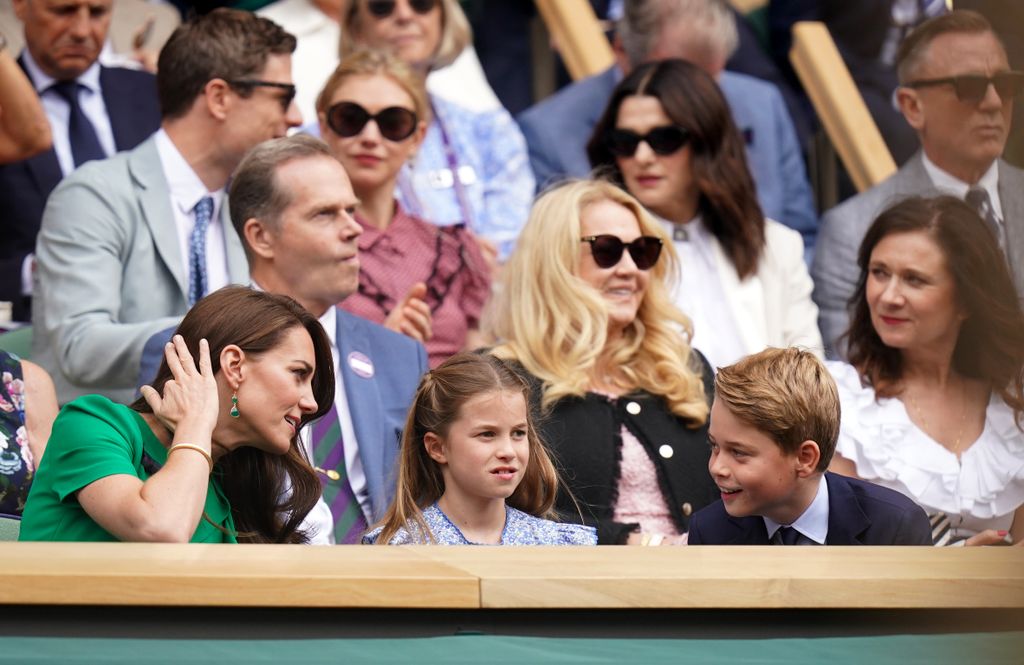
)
(958, 188)
(58, 111)
(318, 523)
(186, 191)
(700, 295)
(813, 523)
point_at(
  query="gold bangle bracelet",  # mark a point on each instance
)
(198, 449)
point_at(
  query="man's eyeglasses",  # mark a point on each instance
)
(972, 88)
(385, 8)
(249, 84)
(662, 140)
(607, 250)
(395, 123)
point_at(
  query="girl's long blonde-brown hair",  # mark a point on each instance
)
(438, 402)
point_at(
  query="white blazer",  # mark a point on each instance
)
(773, 307)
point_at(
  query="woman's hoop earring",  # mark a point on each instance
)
(234, 405)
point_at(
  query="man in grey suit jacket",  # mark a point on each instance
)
(703, 32)
(962, 136)
(127, 244)
(291, 203)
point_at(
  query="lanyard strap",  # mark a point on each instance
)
(453, 166)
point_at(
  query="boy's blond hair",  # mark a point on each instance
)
(787, 394)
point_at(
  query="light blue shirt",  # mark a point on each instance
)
(813, 523)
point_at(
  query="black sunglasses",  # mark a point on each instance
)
(607, 250)
(285, 99)
(385, 8)
(663, 140)
(348, 119)
(972, 88)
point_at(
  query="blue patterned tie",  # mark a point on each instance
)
(197, 251)
(329, 455)
(85, 145)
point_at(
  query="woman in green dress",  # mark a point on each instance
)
(210, 452)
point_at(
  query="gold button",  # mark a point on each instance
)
(633, 408)
(666, 451)
(687, 509)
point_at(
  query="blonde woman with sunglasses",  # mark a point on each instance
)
(425, 281)
(585, 310)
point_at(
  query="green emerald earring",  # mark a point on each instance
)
(234, 405)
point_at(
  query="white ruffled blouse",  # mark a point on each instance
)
(978, 492)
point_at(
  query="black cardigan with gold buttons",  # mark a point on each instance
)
(583, 436)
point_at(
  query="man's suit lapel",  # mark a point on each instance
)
(155, 208)
(127, 117)
(1011, 198)
(238, 265)
(44, 167)
(745, 300)
(747, 531)
(364, 404)
(846, 521)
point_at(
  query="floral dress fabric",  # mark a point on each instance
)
(520, 529)
(16, 464)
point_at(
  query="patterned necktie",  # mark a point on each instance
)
(85, 145)
(978, 198)
(329, 455)
(197, 251)
(786, 535)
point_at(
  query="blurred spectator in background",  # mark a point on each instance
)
(93, 111)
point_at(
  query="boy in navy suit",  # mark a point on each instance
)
(774, 425)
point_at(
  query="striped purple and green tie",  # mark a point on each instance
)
(328, 455)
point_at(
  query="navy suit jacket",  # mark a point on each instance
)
(859, 513)
(378, 404)
(558, 128)
(131, 100)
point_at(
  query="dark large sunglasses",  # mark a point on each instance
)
(385, 8)
(972, 88)
(249, 84)
(663, 140)
(395, 123)
(607, 250)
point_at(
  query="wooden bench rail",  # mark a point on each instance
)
(269, 576)
(839, 105)
(578, 35)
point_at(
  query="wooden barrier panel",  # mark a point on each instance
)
(839, 105)
(271, 576)
(577, 32)
(747, 6)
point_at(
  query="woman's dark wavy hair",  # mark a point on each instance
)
(990, 346)
(692, 100)
(254, 481)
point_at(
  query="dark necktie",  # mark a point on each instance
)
(85, 144)
(977, 197)
(197, 251)
(786, 535)
(329, 458)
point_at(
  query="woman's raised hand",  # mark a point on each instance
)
(190, 397)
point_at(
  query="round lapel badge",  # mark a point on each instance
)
(361, 364)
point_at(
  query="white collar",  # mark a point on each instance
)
(813, 523)
(185, 186)
(948, 183)
(330, 323)
(42, 81)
